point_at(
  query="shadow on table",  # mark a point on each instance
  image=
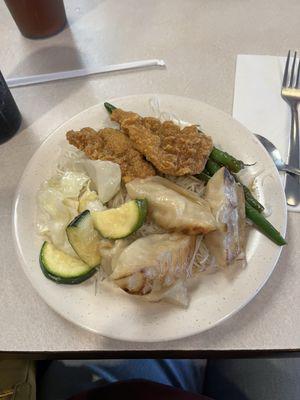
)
(37, 100)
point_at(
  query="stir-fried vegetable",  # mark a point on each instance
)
(109, 107)
(264, 226)
(212, 167)
(252, 200)
(225, 159)
(203, 176)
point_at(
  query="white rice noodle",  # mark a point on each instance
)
(120, 198)
(189, 182)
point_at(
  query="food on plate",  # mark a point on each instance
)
(150, 205)
(226, 160)
(105, 175)
(227, 202)
(112, 145)
(253, 208)
(89, 200)
(60, 267)
(212, 167)
(264, 225)
(172, 150)
(171, 209)
(58, 201)
(154, 263)
(85, 239)
(121, 222)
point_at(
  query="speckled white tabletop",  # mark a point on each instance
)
(199, 40)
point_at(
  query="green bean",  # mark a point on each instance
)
(109, 107)
(206, 172)
(212, 167)
(252, 200)
(203, 176)
(223, 158)
(263, 225)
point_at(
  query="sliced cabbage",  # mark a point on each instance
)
(106, 177)
(58, 204)
(69, 159)
(89, 200)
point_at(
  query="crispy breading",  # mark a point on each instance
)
(112, 145)
(171, 150)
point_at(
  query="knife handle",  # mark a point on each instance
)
(292, 188)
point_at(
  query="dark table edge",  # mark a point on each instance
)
(142, 354)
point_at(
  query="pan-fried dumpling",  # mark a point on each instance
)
(155, 263)
(227, 202)
(172, 207)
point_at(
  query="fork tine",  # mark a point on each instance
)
(286, 70)
(292, 71)
(298, 75)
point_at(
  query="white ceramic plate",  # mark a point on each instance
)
(212, 299)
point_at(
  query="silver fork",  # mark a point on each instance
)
(290, 92)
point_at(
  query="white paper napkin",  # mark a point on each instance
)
(257, 101)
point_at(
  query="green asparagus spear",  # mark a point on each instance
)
(109, 107)
(263, 225)
(223, 158)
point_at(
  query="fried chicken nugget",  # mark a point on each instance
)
(171, 150)
(112, 145)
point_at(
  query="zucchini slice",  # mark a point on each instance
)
(84, 239)
(63, 268)
(120, 222)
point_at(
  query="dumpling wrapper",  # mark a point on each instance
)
(227, 202)
(154, 263)
(172, 207)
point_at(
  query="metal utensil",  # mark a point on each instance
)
(56, 76)
(276, 157)
(290, 92)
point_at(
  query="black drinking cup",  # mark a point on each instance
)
(10, 117)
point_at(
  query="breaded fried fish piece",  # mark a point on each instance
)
(112, 145)
(171, 150)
